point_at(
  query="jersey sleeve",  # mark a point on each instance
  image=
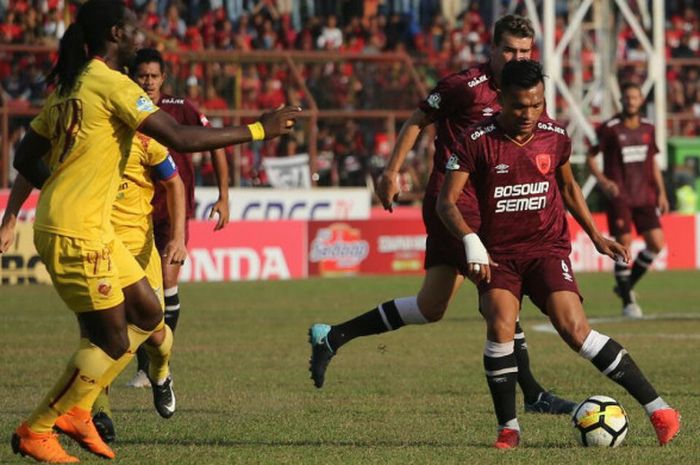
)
(564, 150)
(445, 98)
(462, 157)
(155, 152)
(603, 134)
(130, 103)
(40, 123)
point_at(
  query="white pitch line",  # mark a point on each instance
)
(548, 328)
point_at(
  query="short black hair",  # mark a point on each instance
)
(148, 55)
(515, 25)
(630, 85)
(523, 74)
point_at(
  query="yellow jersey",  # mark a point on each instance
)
(131, 212)
(91, 131)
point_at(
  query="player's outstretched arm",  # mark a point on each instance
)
(175, 250)
(29, 158)
(575, 202)
(18, 195)
(388, 185)
(609, 186)
(186, 139)
(446, 207)
(662, 203)
(220, 208)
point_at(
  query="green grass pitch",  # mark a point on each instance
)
(415, 396)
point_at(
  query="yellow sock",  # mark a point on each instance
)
(158, 357)
(102, 403)
(136, 338)
(81, 379)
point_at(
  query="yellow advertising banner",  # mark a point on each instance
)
(21, 264)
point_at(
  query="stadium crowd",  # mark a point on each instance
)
(442, 36)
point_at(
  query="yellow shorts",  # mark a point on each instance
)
(87, 274)
(149, 260)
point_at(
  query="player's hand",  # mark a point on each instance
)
(610, 188)
(280, 121)
(175, 252)
(220, 208)
(612, 249)
(388, 189)
(663, 204)
(7, 235)
(477, 272)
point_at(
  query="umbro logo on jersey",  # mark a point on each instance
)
(452, 163)
(502, 168)
(434, 100)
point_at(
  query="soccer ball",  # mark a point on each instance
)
(600, 421)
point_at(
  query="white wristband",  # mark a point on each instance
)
(475, 250)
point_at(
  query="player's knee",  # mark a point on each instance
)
(574, 333)
(656, 246)
(432, 311)
(116, 344)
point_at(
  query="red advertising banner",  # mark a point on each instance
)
(246, 251)
(386, 246)
(679, 253)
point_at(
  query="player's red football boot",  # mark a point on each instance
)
(42, 447)
(77, 424)
(507, 439)
(667, 423)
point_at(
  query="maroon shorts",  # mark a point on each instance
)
(441, 247)
(535, 277)
(621, 216)
(161, 234)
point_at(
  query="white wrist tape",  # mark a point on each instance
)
(475, 250)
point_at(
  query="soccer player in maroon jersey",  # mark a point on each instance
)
(456, 102)
(149, 73)
(518, 162)
(632, 183)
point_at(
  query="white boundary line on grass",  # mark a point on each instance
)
(548, 328)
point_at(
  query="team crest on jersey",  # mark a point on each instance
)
(543, 162)
(434, 100)
(452, 163)
(646, 137)
(144, 103)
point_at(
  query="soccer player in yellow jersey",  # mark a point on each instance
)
(148, 162)
(75, 151)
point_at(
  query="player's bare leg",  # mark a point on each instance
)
(500, 308)
(567, 315)
(171, 274)
(439, 286)
(623, 285)
(654, 241)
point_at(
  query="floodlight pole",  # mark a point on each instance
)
(604, 87)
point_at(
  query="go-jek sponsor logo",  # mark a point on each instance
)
(521, 197)
(338, 249)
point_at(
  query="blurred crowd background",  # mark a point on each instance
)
(440, 36)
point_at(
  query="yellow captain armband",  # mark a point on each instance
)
(257, 130)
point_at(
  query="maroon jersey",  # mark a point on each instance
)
(457, 102)
(185, 113)
(522, 212)
(628, 159)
